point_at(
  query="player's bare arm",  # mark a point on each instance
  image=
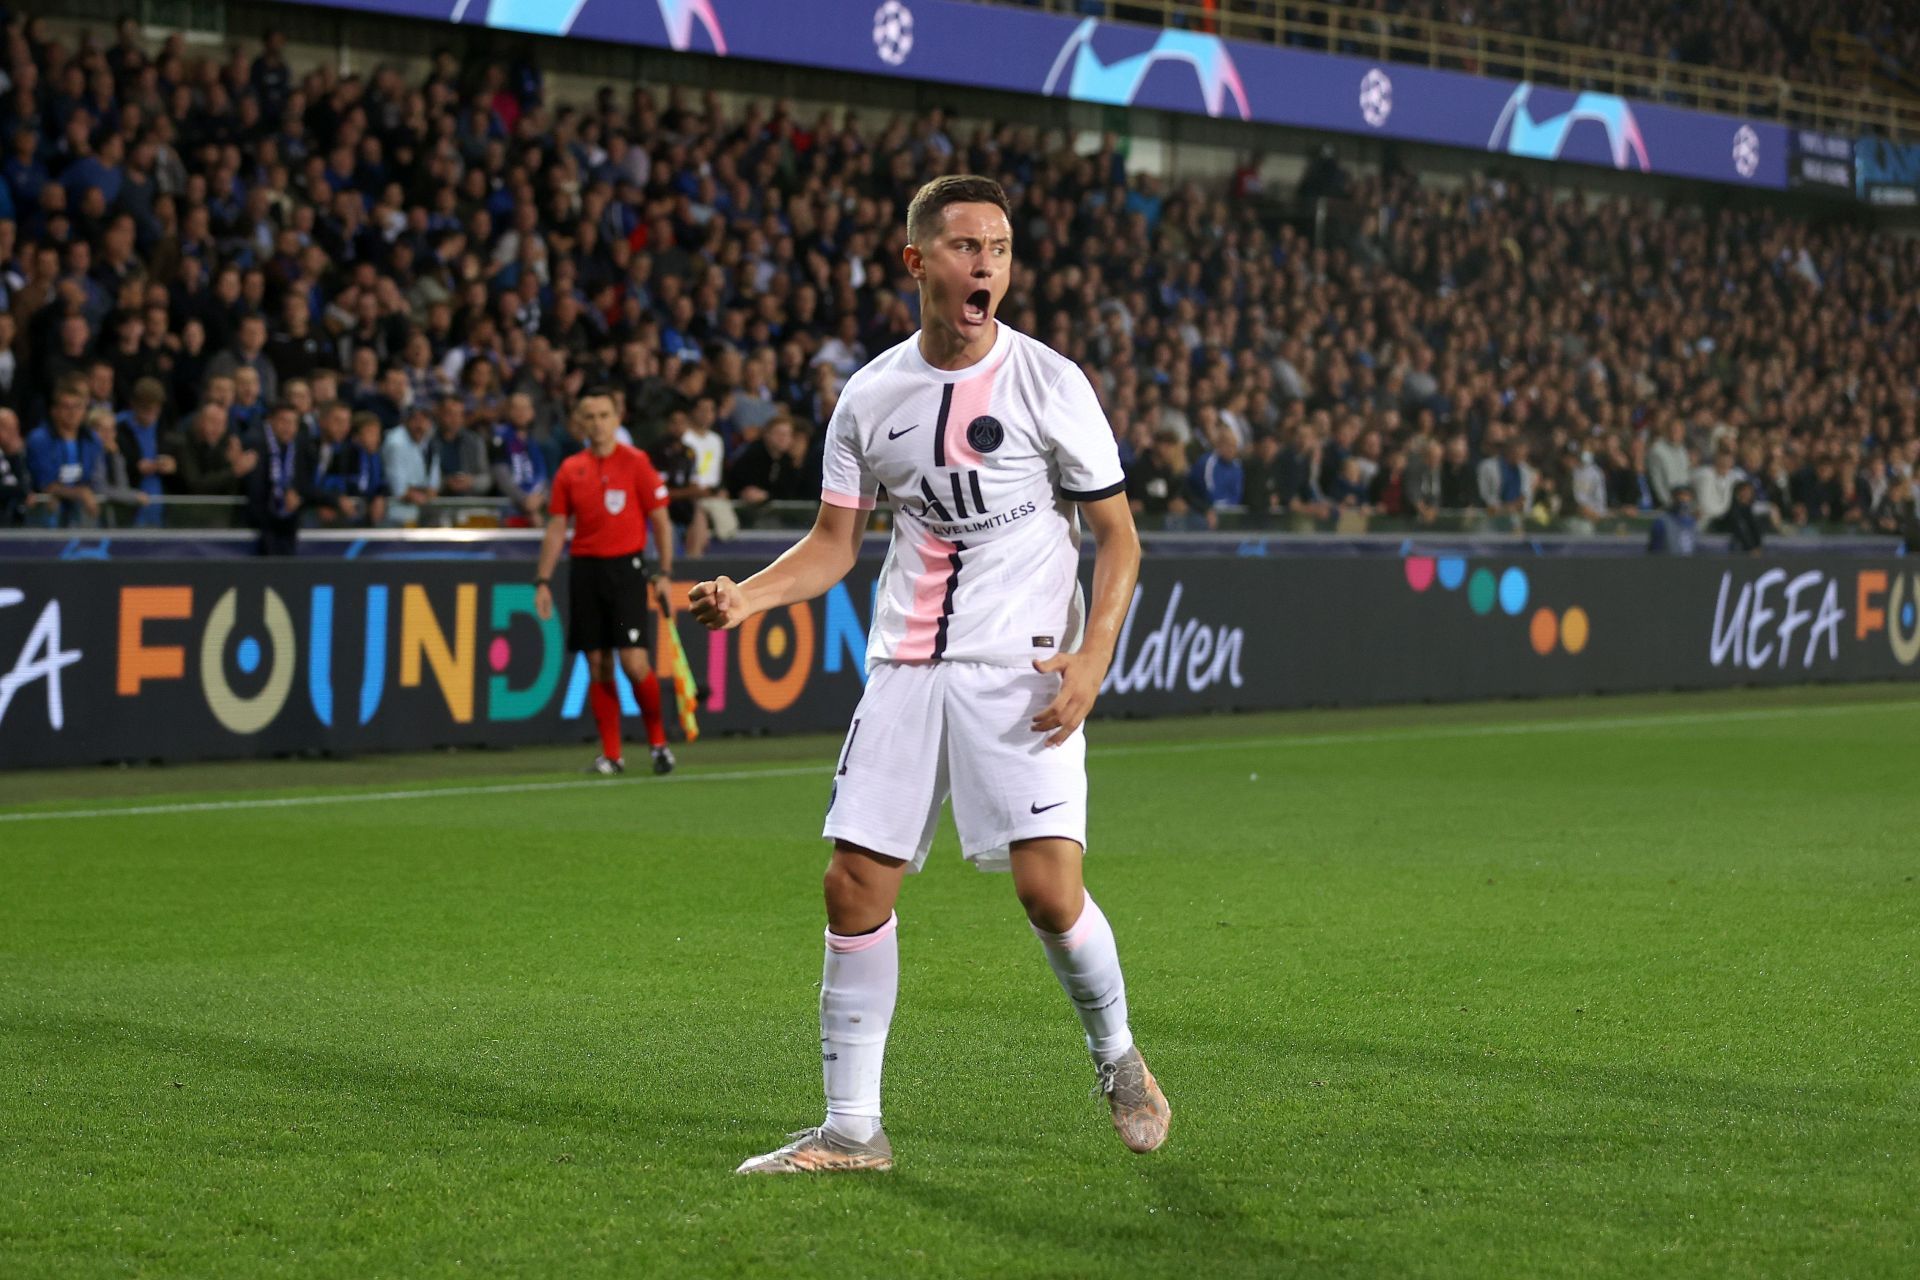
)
(807, 569)
(1116, 566)
(550, 544)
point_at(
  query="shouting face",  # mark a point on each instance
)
(964, 266)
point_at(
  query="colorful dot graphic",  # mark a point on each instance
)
(499, 653)
(249, 655)
(1573, 630)
(1511, 589)
(1513, 592)
(1544, 631)
(1480, 590)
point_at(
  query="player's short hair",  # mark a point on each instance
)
(927, 213)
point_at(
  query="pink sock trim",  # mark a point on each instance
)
(1073, 937)
(861, 941)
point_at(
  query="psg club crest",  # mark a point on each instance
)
(616, 500)
(984, 434)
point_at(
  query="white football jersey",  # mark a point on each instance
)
(982, 467)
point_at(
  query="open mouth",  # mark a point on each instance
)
(974, 309)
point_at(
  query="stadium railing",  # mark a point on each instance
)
(1476, 50)
(480, 514)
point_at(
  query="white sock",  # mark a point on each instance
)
(1087, 962)
(857, 989)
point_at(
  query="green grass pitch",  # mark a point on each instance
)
(1607, 988)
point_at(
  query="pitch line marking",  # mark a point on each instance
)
(1360, 738)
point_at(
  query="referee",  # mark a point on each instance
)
(612, 493)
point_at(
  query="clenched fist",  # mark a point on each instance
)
(718, 605)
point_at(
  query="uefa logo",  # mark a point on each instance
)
(1376, 98)
(893, 32)
(1746, 151)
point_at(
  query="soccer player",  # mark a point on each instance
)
(613, 494)
(982, 662)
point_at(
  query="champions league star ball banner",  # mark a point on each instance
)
(1116, 64)
(143, 660)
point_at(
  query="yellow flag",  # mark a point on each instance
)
(686, 694)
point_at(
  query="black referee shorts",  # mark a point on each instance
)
(607, 603)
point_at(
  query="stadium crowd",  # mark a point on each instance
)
(363, 300)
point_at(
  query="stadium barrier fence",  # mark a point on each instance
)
(168, 660)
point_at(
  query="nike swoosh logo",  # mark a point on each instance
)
(895, 435)
(1042, 808)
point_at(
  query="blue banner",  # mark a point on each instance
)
(952, 42)
(1887, 173)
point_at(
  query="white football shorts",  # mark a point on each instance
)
(924, 729)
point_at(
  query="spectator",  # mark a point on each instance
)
(1629, 490)
(412, 466)
(1459, 482)
(1744, 520)
(1506, 479)
(765, 470)
(1264, 475)
(1587, 489)
(17, 496)
(247, 415)
(123, 501)
(1669, 464)
(1218, 479)
(519, 466)
(140, 438)
(709, 463)
(1713, 485)
(249, 351)
(464, 469)
(210, 464)
(283, 484)
(365, 477)
(341, 481)
(297, 350)
(1421, 488)
(1897, 513)
(674, 459)
(1157, 482)
(1676, 531)
(64, 460)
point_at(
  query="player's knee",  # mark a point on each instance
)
(842, 890)
(858, 897)
(1049, 906)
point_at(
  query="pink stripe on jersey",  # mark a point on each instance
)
(842, 945)
(929, 599)
(970, 400)
(852, 501)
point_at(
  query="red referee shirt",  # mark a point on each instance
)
(609, 499)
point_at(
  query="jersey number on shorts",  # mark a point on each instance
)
(958, 493)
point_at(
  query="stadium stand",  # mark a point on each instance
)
(429, 271)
